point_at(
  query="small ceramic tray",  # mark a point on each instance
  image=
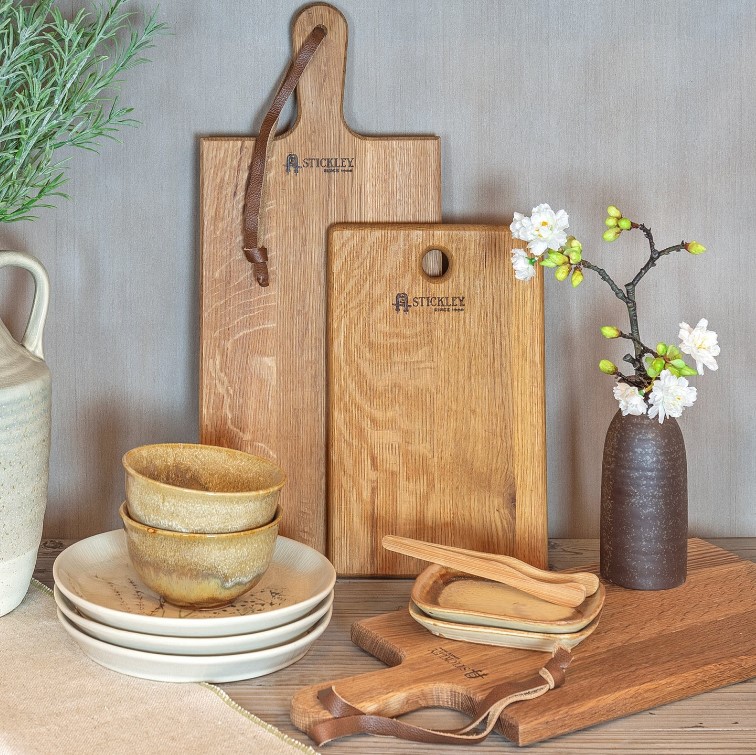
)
(96, 575)
(461, 598)
(155, 643)
(508, 638)
(162, 667)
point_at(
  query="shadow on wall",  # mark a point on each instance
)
(95, 488)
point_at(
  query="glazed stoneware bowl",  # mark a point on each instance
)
(199, 570)
(189, 487)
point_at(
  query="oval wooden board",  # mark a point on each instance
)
(451, 595)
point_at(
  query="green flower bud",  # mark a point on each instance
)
(695, 248)
(687, 371)
(607, 367)
(562, 272)
(612, 234)
(673, 370)
(548, 263)
(613, 212)
(661, 348)
(625, 224)
(609, 331)
(611, 222)
(573, 243)
(658, 364)
(679, 363)
(575, 256)
(651, 372)
(673, 352)
(557, 257)
(577, 277)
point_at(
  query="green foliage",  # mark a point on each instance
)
(58, 88)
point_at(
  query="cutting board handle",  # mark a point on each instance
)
(255, 252)
(324, 91)
(320, 92)
(484, 709)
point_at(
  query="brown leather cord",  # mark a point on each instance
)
(258, 255)
(348, 720)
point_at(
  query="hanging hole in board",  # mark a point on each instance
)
(435, 263)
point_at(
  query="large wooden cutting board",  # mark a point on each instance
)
(436, 396)
(650, 648)
(262, 350)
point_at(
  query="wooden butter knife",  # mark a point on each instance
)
(570, 593)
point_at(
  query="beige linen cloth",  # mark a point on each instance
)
(53, 699)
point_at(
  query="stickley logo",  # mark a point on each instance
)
(292, 163)
(327, 164)
(403, 303)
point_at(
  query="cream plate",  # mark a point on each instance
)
(508, 638)
(453, 596)
(161, 667)
(155, 643)
(96, 575)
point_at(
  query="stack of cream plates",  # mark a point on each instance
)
(122, 625)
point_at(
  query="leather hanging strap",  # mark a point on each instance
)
(348, 720)
(258, 255)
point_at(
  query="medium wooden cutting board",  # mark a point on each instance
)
(436, 396)
(262, 350)
(650, 648)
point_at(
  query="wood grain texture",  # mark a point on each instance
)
(560, 591)
(262, 350)
(589, 581)
(436, 412)
(722, 722)
(650, 648)
(676, 148)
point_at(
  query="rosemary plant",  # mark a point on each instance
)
(58, 88)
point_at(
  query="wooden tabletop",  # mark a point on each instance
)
(721, 722)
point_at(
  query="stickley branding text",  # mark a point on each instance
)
(326, 164)
(403, 303)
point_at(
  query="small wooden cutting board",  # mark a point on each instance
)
(650, 648)
(262, 350)
(436, 396)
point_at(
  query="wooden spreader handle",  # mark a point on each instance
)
(570, 593)
(590, 581)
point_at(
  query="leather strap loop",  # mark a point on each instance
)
(348, 720)
(258, 255)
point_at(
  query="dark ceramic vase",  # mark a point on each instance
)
(644, 504)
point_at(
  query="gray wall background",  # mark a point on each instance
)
(646, 104)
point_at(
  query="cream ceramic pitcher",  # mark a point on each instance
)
(24, 440)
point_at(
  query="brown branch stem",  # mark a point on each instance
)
(606, 277)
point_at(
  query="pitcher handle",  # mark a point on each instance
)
(32, 340)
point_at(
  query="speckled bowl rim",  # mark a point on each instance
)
(209, 493)
(130, 522)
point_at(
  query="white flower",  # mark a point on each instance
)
(670, 395)
(521, 227)
(544, 229)
(523, 264)
(700, 343)
(630, 399)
